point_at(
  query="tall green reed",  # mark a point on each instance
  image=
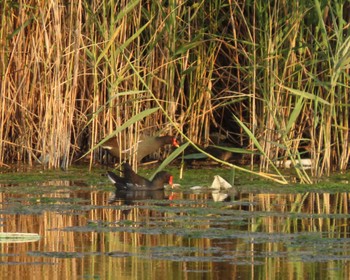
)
(72, 75)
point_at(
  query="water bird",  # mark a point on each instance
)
(134, 182)
(192, 156)
(146, 146)
(222, 154)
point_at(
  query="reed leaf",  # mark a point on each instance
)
(111, 41)
(343, 56)
(170, 158)
(306, 95)
(236, 150)
(250, 135)
(295, 114)
(259, 147)
(70, 73)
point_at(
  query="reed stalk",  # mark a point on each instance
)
(272, 81)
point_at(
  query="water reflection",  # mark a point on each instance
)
(180, 235)
(130, 196)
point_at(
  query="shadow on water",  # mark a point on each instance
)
(87, 231)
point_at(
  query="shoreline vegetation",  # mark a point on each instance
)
(271, 78)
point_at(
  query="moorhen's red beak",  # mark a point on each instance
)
(171, 181)
(175, 143)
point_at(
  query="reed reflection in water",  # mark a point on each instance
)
(177, 235)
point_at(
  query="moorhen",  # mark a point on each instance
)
(146, 146)
(192, 155)
(219, 153)
(134, 182)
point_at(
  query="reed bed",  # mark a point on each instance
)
(271, 76)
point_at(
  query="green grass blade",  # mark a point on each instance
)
(170, 158)
(250, 134)
(295, 114)
(236, 150)
(131, 5)
(306, 95)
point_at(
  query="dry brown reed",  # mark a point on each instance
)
(72, 73)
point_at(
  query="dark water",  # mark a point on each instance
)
(86, 233)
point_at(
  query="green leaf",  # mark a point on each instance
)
(235, 150)
(195, 156)
(343, 56)
(295, 114)
(122, 13)
(250, 134)
(128, 123)
(306, 95)
(170, 158)
(19, 29)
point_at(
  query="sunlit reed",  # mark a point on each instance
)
(272, 81)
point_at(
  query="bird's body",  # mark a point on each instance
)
(145, 147)
(134, 182)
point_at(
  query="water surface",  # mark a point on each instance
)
(86, 233)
